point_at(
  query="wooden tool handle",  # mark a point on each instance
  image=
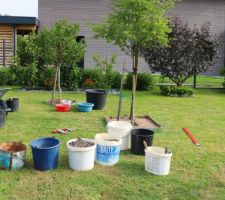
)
(192, 137)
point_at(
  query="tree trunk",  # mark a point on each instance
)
(54, 87)
(59, 84)
(121, 94)
(134, 85)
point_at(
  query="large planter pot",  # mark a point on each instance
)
(13, 104)
(97, 97)
(45, 153)
(139, 135)
(121, 130)
(81, 158)
(2, 116)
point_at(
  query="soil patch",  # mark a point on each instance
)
(81, 143)
(139, 121)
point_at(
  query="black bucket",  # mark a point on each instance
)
(139, 135)
(13, 104)
(2, 116)
(97, 97)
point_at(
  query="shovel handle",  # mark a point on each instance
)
(192, 137)
(145, 145)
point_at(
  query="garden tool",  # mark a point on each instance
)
(192, 137)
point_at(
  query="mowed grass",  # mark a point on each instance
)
(196, 173)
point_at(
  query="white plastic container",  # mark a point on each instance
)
(156, 161)
(120, 129)
(81, 158)
(66, 102)
(108, 149)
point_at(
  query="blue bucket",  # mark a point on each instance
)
(45, 153)
(85, 107)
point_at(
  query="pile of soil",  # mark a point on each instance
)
(81, 143)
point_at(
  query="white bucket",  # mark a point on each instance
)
(81, 158)
(66, 102)
(156, 161)
(120, 129)
(108, 152)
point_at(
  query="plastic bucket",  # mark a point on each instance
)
(45, 153)
(97, 97)
(108, 149)
(156, 161)
(66, 102)
(139, 135)
(81, 158)
(2, 116)
(120, 129)
(84, 107)
(13, 104)
(62, 108)
(12, 155)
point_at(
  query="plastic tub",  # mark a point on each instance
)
(108, 149)
(12, 155)
(66, 102)
(45, 153)
(122, 130)
(81, 158)
(84, 107)
(138, 135)
(97, 97)
(62, 108)
(156, 161)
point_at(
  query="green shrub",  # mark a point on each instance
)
(26, 76)
(169, 90)
(91, 74)
(6, 76)
(145, 81)
(116, 80)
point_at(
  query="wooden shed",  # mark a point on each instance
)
(10, 27)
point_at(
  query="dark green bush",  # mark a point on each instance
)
(116, 80)
(89, 74)
(145, 81)
(6, 76)
(169, 90)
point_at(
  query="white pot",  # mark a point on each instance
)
(120, 129)
(108, 152)
(81, 158)
(156, 161)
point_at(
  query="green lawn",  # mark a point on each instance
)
(196, 173)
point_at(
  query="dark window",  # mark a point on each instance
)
(81, 39)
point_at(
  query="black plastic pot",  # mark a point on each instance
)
(13, 104)
(139, 135)
(97, 97)
(2, 116)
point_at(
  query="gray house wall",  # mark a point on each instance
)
(92, 11)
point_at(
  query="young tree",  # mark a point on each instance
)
(190, 52)
(67, 51)
(133, 23)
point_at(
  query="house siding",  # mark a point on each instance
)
(92, 11)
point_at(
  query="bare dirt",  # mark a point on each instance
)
(139, 121)
(81, 143)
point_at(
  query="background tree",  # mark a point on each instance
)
(190, 52)
(67, 51)
(133, 23)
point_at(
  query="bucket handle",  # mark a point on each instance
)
(145, 144)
